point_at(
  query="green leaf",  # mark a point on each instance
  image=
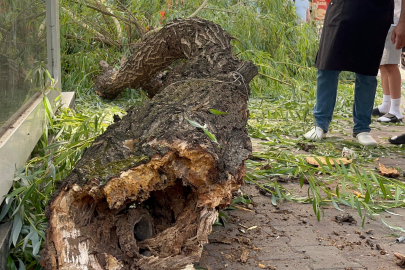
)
(95, 123)
(15, 231)
(382, 187)
(367, 180)
(314, 206)
(276, 187)
(319, 162)
(335, 204)
(217, 112)
(21, 265)
(329, 164)
(358, 207)
(62, 157)
(36, 249)
(367, 197)
(26, 240)
(194, 123)
(397, 194)
(17, 191)
(28, 193)
(34, 237)
(210, 135)
(5, 209)
(273, 200)
(56, 145)
(352, 200)
(10, 263)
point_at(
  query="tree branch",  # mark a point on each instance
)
(127, 21)
(199, 9)
(99, 36)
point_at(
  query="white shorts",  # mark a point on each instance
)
(391, 55)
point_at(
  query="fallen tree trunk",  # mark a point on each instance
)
(146, 193)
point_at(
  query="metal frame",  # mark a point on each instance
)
(53, 45)
(17, 143)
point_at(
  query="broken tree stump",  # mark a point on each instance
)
(146, 193)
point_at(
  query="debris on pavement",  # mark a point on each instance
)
(348, 153)
(345, 218)
(306, 147)
(220, 240)
(388, 172)
(263, 239)
(401, 262)
(400, 239)
(245, 255)
(332, 161)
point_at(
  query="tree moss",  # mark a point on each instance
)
(103, 173)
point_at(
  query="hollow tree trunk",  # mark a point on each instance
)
(146, 193)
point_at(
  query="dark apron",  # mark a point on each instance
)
(353, 35)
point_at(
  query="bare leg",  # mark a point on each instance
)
(394, 81)
(386, 103)
(391, 82)
(384, 80)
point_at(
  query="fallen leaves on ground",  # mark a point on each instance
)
(332, 161)
(245, 255)
(388, 172)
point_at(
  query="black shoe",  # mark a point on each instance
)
(376, 112)
(390, 118)
(397, 139)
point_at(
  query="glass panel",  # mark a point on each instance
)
(22, 55)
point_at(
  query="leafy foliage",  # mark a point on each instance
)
(357, 185)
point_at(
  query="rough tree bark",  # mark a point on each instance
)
(146, 193)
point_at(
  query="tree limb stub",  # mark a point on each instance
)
(146, 193)
(190, 39)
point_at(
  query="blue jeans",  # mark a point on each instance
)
(364, 94)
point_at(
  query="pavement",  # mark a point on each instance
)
(289, 236)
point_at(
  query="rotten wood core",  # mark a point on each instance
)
(146, 193)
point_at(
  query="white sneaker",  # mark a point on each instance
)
(364, 138)
(315, 134)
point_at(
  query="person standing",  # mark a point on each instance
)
(353, 40)
(390, 108)
(302, 10)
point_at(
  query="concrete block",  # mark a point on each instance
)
(5, 230)
(68, 100)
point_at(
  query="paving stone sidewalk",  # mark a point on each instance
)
(290, 237)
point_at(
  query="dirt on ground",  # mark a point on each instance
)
(289, 236)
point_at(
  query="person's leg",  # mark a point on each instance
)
(394, 82)
(364, 94)
(326, 90)
(386, 103)
(403, 58)
(394, 79)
